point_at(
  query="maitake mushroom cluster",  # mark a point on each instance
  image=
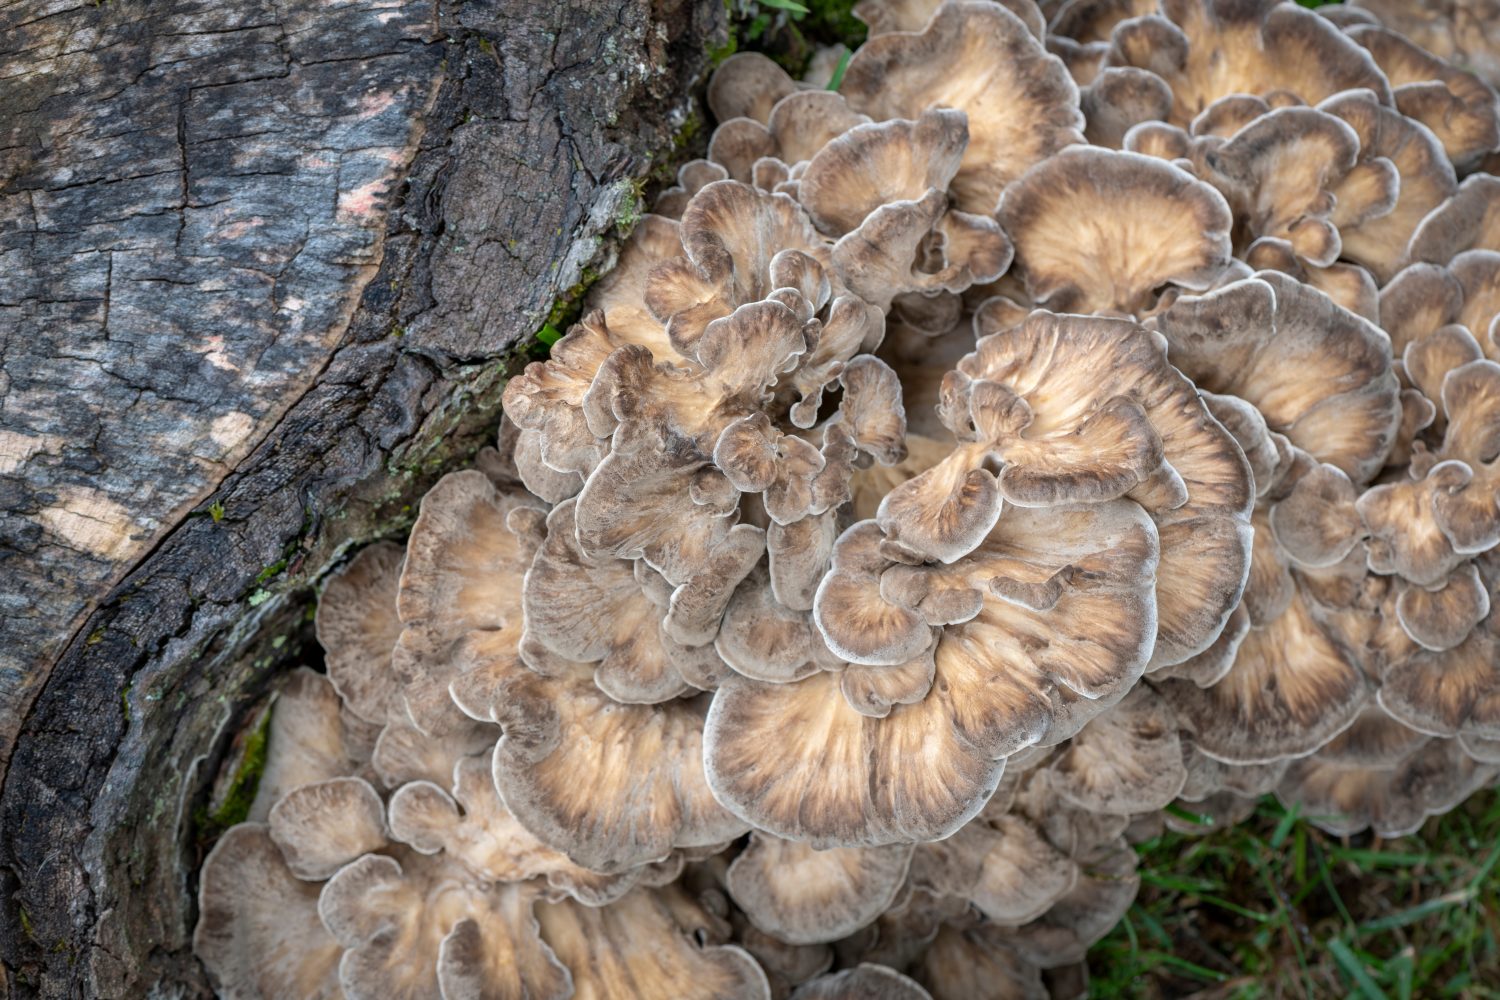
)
(1083, 409)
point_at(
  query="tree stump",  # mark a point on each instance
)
(264, 268)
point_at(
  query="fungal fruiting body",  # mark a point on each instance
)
(1085, 409)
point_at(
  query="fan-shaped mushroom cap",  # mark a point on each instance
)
(258, 931)
(1449, 692)
(1441, 618)
(692, 177)
(1106, 887)
(1207, 49)
(1456, 105)
(904, 931)
(1207, 777)
(805, 896)
(311, 738)
(1315, 523)
(1120, 97)
(1126, 760)
(797, 760)
(473, 827)
(1426, 181)
(646, 793)
(1094, 20)
(1374, 740)
(323, 826)
(1463, 32)
(1393, 801)
(786, 965)
(593, 610)
(642, 946)
(418, 929)
(1470, 220)
(975, 963)
(748, 85)
(764, 639)
(879, 190)
(1070, 426)
(1001, 864)
(1319, 374)
(863, 982)
(1297, 170)
(739, 245)
(1103, 231)
(404, 753)
(983, 60)
(358, 628)
(768, 154)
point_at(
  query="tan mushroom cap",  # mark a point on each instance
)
(1001, 864)
(1423, 529)
(1094, 20)
(1119, 98)
(593, 610)
(797, 760)
(863, 982)
(763, 639)
(806, 896)
(1207, 49)
(1284, 167)
(1470, 220)
(1079, 253)
(642, 946)
(323, 826)
(620, 294)
(974, 963)
(1455, 104)
(1426, 181)
(1319, 374)
(1106, 887)
(404, 753)
(357, 627)
(901, 934)
(1442, 617)
(748, 85)
(473, 827)
(983, 60)
(646, 794)
(258, 931)
(1392, 801)
(1449, 692)
(1126, 760)
(786, 965)
(734, 240)
(1207, 777)
(1291, 689)
(692, 177)
(797, 557)
(1375, 740)
(416, 928)
(311, 738)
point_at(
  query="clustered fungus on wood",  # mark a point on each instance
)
(1082, 410)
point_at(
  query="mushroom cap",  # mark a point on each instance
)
(323, 826)
(1448, 692)
(1282, 346)
(763, 639)
(357, 627)
(1106, 887)
(593, 610)
(412, 930)
(1470, 220)
(842, 778)
(805, 896)
(1102, 231)
(647, 795)
(1292, 688)
(404, 753)
(982, 59)
(863, 982)
(1126, 760)
(1001, 864)
(1425, 181)
(747, 85)
(1374, 740)
(258, 931)
(1455, 104)
(311, 738)
(473, 827)
(1206, 49)
(642, 946)
(975, 963)
(1392, 801)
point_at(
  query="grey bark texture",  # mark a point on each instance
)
(264, 267)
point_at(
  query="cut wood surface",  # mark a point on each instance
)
(263, 269)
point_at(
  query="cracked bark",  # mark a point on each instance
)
(262, 270)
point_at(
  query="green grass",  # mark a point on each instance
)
(1276, 908)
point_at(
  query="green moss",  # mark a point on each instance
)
(26, 927)
(216, 511)
(270, 571)
(235, 805)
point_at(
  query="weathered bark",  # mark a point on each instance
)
(263, 269)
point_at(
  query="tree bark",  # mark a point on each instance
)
(264, 268)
